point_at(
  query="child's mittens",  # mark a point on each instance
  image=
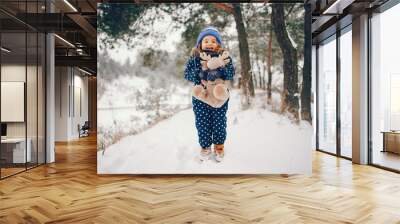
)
(215, 63)
(219, 61)
(225, 57)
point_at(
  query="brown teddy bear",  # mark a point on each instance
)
(213, 90)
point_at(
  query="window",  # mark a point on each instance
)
(346, 92)
(22, 87)
(327, 95)
(385, 89)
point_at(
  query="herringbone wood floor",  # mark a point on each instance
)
(70, 191)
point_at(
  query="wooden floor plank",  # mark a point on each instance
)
(70, 191)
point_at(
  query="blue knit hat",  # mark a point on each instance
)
(209, 31)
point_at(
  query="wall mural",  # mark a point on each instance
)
(213, 88)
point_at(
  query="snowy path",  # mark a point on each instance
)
(258, 142)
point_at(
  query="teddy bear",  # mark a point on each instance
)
(213, 90)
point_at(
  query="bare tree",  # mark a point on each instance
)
(290, 98)
(306, 87)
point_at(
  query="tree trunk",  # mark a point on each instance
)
(263, 73)
(258, 69)
(255, 78)
(290, 99)
(247, 79)
(259, 77)
(306, 88)
(259, 74)
(269, 64)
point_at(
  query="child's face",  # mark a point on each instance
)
(209, 43)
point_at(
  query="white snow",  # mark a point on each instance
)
(118, 113)
(258, 142)
(118, 92)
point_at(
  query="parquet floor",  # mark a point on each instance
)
(70, 191)
(11, 170)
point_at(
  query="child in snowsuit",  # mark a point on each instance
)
(210, 69)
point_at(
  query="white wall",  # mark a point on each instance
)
(61, 103)
(80, 85)
(70, 83)
(15, 72)
(33, 126)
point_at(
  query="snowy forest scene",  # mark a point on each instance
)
(150, 115)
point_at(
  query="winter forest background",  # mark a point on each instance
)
(143, 97)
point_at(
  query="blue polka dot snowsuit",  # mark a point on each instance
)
(210, 122)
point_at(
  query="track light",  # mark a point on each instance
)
(5, 50)
(70, 5)
(84, 71)
(64, 40)
(337, 7)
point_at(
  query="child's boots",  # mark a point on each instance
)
(219, 152)
(205, 154)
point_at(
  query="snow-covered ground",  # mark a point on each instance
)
(119, 111)
(258, 142)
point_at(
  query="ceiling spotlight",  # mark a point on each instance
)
(79, 51)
